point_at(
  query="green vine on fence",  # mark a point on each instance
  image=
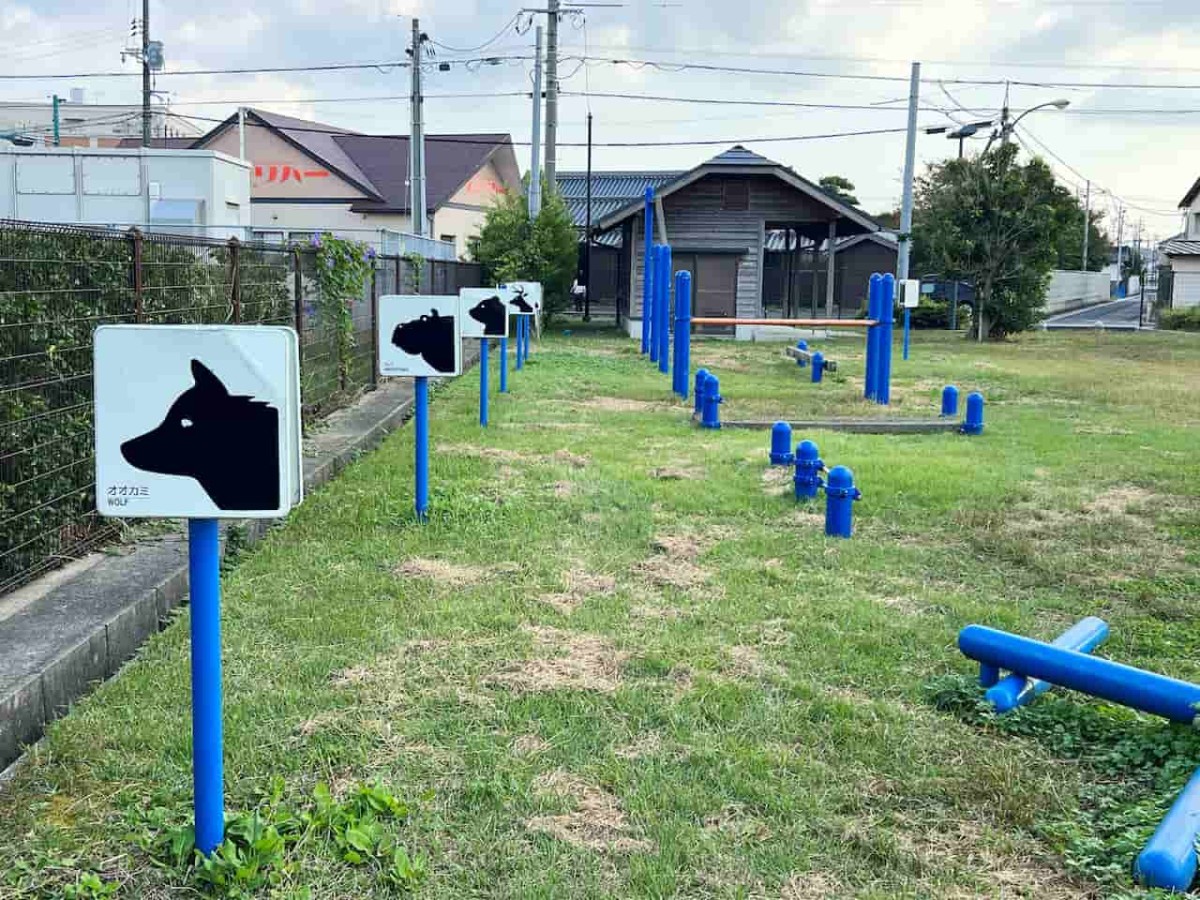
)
(342, 268)
(416, 265)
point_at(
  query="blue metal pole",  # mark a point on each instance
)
(949, 401)
(781, 444)
(483, 382)
(887, 302)
(520, 343)
(683, 332)
(1169, 857)
(840, 494)
(421, 439)
(208, 766)
(1017, 690)
(876, 285)
(1136, 688)
(647, 269)
(807, 480)
(664, 314)
(907, 325)
(698, 390)
(504, 365)
(652, 307)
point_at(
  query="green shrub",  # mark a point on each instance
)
(935, 314)
(1180, 319)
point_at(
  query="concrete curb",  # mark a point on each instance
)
(79, 629)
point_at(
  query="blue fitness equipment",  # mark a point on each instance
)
(800, 360)
(840, 494)
(710, 415)
(1169, 857)
(504, 365)
(655, 292)
(781, 444)
(647, 269)
(807, 480)
(818, 367)
(887, 314)
(698, 391)
(873, 294)
(973, 424)
(683, 328)
(208, 766)
(421, 446)
(663, 326)
(1017, 690)
(949, 401)
(483, 382)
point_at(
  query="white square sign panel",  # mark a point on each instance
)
(483, 313)
(419, 335)
(197, 421)
(524, 297)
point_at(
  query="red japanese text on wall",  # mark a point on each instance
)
(481, 184)
(278, 173)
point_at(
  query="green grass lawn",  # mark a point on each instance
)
(620, 661)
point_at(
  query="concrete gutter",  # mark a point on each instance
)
(75, 627)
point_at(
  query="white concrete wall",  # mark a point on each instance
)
(1072, 290)
(1185, 290)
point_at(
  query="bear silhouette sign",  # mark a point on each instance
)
(419, 335)
(197, 421)
(483, 313)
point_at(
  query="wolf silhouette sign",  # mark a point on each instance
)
(419, 335)
(196, 422)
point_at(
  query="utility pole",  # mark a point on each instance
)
(56, 101)
(551, 91)
(242, 133)
(910, 152)
(1004, 117)
(145, 73)
(587, 234)
(535, 150)
(416, 149)
(1120, 228)
(1087, 223)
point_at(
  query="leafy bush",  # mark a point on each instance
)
(1180, 319)
(935, 314)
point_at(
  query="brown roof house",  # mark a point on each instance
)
(310, 177)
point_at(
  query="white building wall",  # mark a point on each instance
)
(1072, 290)
(1185, 289)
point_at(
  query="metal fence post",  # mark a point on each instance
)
(235, 285)
(374, 325)
(139, 312)
(298, 298)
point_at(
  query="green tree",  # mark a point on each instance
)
(994, 222)
(842, 188)
(513, 247)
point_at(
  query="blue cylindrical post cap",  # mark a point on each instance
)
(801, 345)
(840, 478)
(649, 193)
(807, 451)
(781, 444)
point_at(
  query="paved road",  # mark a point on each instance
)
(1117, 314)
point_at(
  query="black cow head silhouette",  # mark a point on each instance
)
(431, 337)
(228, 443)
(519, 301)
(490, 313)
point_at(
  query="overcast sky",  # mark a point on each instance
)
(1149, 159)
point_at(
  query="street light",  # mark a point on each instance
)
(1006, 127)
(966, 131)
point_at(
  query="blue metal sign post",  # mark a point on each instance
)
(504, 365)
(421, 439)
(907, 326)
(483, 382)
(648, 270)
(208, 766)
(663, 332)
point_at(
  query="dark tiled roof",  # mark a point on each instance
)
(1180, 246)
(159, 143)
(1191, 194)
(737, 155)
(775, 241)
(610, 192)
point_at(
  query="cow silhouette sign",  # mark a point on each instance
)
(483, 313)
(419, 335)
(197, 421)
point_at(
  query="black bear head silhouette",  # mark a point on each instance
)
(228, 443)
(520, 302)
(431, 337)
(490, 313)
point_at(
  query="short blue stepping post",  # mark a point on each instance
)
(781, 444)
(800, 360)
(973, 424)
(840, 494)
(818, 367)
(949, 401)
(701, 381)
(710, 416)
(809, 467)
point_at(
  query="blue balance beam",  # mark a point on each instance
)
(1136, 688)
(1017, 690)
(1169, 858)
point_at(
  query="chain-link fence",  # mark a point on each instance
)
(58, 283)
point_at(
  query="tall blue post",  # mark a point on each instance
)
(421, 440)
(655, 290)
(664, 312)
(208, 765)
(870, 392)
(699, 388)
(520, 343)
(504, 365)
(683, 332)
(483, 382)
(887, 303)
(907, 326)
(840, 494)
(1169, 858)
(647, 269)
(949, 401)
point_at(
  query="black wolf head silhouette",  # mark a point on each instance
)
(228, 443)
(490, 313)
(520, 302)
(431, 337)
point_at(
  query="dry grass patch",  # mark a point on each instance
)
(674, 561)
(778, 481)
(563, 489)
(621, 405)
(568, 661)
(581, 585)
(644, 745)
(597, 821)
(529, 745)
(811, 886)
(678, 473)
(448, 573)
(574, 460)
(747, 662)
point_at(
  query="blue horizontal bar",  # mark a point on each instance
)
(1136, 688)
(1169, 858)
(1017, 690)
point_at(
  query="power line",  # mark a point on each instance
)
(358, 99)
(499, 34)
(718, 101)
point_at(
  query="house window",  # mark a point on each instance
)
(1195, 224)
(448, 238)
(736, 197)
